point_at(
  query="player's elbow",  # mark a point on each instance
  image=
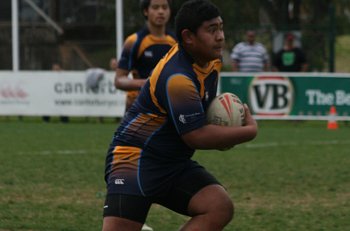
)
(198, 139)
(117, 83)
(120, 83)
(193, 144)
(192, 140)
(251, 133)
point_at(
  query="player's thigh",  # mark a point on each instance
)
(193, 179)
(125, 209)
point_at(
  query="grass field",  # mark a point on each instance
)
(293, 177)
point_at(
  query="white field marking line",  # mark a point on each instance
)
(59, 152)
(279, 144)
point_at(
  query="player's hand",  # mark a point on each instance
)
(250, 121)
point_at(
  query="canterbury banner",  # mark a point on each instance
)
(59, 93)
(286, 96)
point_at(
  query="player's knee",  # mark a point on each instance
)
(223, 213)
(228, 211)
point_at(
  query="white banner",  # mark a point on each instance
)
(63, 93)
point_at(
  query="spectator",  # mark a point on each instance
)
(142, 50)
(63, 119)
(250, 56)
(290, 58)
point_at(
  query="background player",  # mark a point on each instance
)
(143, 49)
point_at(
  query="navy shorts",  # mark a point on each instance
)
(176, 198)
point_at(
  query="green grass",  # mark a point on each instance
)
(293, 176)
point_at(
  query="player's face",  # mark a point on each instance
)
(210, 39)
(158, 12)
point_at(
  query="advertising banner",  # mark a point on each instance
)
(291, 96)
(63, 93)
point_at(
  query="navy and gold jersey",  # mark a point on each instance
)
(147, 149)
(142, 51)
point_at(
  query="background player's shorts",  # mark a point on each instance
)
(177, 198)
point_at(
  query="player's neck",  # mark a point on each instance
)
(203, 63)
(158, 31)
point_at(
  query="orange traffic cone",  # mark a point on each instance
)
(332, 122)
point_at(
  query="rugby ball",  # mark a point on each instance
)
(226, 109)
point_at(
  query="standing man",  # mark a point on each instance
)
(143, 49)
(149, 159)
(250, 56)
(290, 58)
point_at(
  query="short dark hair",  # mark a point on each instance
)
(144, 4)
(192, 14)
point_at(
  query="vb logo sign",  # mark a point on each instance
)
(271, 95)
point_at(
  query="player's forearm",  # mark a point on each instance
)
(127, 84)
(219, 137)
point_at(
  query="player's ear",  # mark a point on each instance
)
(187, 36)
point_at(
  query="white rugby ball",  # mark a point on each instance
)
(226, 109)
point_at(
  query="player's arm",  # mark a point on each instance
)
(185, 106)
(222, 137)
(125, 66)
(123, 82)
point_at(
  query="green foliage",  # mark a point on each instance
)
(294, 176)
(265, 16)
(342, 50)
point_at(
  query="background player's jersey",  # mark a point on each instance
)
(172, 102)
(142, 51)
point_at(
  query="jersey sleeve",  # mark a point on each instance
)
(125, 61)
(184, 104)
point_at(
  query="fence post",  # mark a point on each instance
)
(331, 37)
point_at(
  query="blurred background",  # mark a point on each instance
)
(82, 33)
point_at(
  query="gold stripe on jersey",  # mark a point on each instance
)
(150, 40)
(144, 125)
(127, 156)
(202, 73)
(130, 41)
(181, 89)
(155, 75)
